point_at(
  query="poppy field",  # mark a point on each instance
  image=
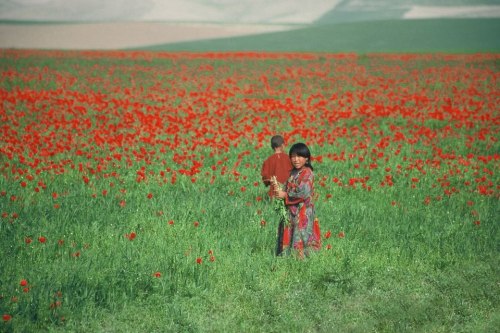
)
(131, 197)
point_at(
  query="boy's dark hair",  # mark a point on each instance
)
(300, 149)
(277, 141)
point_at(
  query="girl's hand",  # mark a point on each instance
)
(280, 194)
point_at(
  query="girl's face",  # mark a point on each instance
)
(298, 162)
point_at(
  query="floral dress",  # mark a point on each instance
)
(302, 233)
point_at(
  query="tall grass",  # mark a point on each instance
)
(198, 256)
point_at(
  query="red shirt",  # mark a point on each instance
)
(278, 165)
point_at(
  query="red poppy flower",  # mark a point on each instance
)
(341, 234)
(328, 234)
(157, 274)
(23, 283)
(199, 261)
(6, 317)
(131, 236)
(42, 239)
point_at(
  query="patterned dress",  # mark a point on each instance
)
(302, 233)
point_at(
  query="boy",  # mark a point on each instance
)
(278, 164)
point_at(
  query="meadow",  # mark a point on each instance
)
(131, 198)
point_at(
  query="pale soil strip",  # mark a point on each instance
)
(423, 12)
(120, 35)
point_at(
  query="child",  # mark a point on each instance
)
(278, 164)
(302, 233)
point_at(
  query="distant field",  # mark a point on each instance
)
(430, 35)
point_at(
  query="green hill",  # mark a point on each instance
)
(429, 35)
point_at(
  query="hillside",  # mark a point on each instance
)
(429, 35)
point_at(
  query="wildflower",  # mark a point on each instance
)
(199, 261)
(328, 234)
(131, 236)
(23, 283)
(196, 224)
(150, 195)
(341, 234)
(55, 304)
(6, 317)
(262, 223)
(42, 239)
(157, 274)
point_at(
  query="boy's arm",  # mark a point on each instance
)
(265, 173)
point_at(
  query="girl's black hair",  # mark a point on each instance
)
(300, 149)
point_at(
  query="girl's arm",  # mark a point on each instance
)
(297, 193)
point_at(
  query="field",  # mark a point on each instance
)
(131, 199)
(382, 36)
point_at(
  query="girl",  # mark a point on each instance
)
(302, 233)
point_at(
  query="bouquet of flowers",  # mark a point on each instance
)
(279, 203)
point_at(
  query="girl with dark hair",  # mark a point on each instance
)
(302, 232)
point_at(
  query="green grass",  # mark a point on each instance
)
(403, 266)
(421, 36)
(399, 269)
